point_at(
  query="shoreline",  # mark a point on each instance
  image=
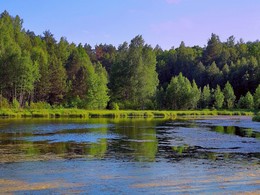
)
(80, 113)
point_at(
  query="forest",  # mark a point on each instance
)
(38, 71)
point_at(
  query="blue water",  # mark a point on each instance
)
(134, 156)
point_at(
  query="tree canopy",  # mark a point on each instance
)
(39, 68)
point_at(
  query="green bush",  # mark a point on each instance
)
(40, 105)
(15, 104)
(114, 106)
(4, 102)
(76, 103)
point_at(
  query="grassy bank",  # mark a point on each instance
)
(80, 113)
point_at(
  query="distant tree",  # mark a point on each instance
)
(119, 77)
(165, 66)
(213, 75)
(249, 100)
(199, 74)
(148, 78)
(105, 54)
(185, 58)
(42, 86)
(160, 99)
(218, 98)
(63, 50)
(246, 102)
(18, 73)
(58, 77)
(87, 82)
(27, 75)
(205, 97)
(38, 69)
(257, 97)
(97, 93)
(195, 95)
(225, 70)
(229, 96)
(180, 94)
(77, 74)
(213, 50)
(177, 92)
(133, 76)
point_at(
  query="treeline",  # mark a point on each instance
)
(41, 71)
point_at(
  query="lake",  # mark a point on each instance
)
(130, 156)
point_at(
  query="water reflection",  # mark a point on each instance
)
(128, 157)
(139, 140)
(44, 140)
(233, 130)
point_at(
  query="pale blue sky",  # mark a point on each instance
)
(163, 22)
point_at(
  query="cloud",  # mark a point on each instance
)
(172, 1)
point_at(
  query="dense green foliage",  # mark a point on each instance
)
(218, 98)
(181, 94)
(133, 75)
(39, 71)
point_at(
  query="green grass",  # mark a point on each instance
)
(80, 113)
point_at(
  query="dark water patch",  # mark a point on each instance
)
(244, 122)
(213, 141)
(235, 130)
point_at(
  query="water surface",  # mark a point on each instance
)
(112, 156)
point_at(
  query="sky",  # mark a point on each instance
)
(162, 22)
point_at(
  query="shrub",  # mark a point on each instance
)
(15, 104)
(4, 102)
(40, 105)
(256, 118)
(246, 102)
(114, 106)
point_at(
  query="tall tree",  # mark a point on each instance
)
(257, 97)
(229, 96)
(246, 101)
(205, 99)
(195, 95)
(213, 50)
(58, 78)
(180, 94)
(17, 71)
(218, 98)
(39, 55)
(133, 76)
(97, 93)
(28, 74)
(213, 75)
